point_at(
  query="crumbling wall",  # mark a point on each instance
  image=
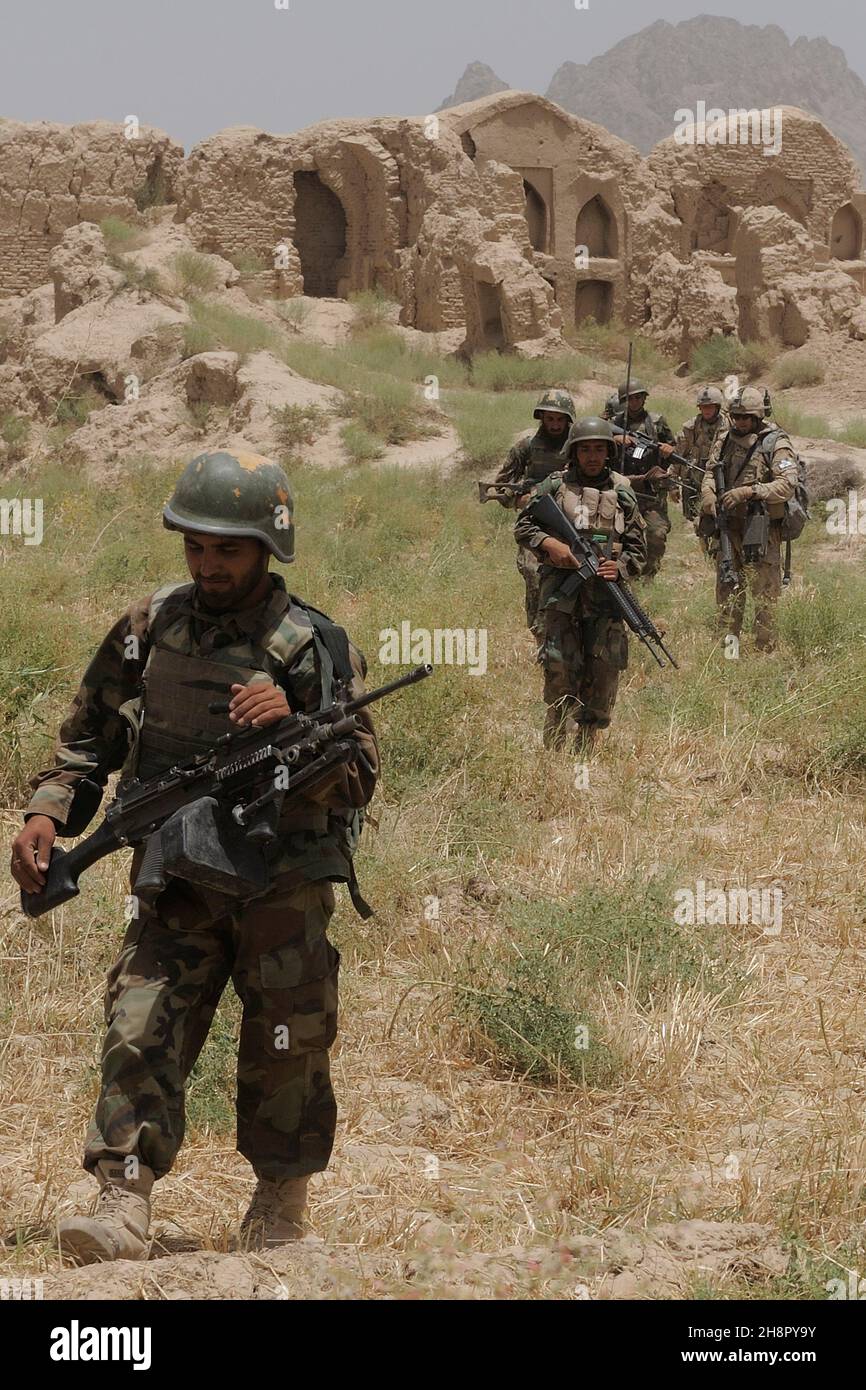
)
(54, 176)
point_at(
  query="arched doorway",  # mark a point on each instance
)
(320, 234)
(536, 217)
(846, 234)
(596, 229)
(593, 299)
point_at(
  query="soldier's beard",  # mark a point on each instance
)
(233, 594)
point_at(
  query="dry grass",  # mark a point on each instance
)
(737, 1097)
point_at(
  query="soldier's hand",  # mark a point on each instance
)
(665, 449)
(259, 704)
(31, 851)
(558, 554)
(608, 569)
(656, 474)
(708, 506)
(735, 495)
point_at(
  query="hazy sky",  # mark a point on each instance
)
(194, 66)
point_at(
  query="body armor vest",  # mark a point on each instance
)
(700, 436)
(543, 460)
(170, 719)
(746, 464)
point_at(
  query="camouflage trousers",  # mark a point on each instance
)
(654, 511)
(162, 994)
(529, 567)
(763, 579)
(582, 656)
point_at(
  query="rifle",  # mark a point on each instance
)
(210, 820)
(502, 492)
(550, 518)
(645, 443)
(727, 569)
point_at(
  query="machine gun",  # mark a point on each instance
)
(645, 445)
(720, 527)
(211, 819)
(550, 518)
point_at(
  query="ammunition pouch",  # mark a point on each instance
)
(756, 537)
(794, 519)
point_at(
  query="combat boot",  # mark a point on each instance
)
(117, 1230)
(275, 1216)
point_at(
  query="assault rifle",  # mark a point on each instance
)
(502, 492)
(645, 445)
(550, 518)
(727, 569)
(211, 819)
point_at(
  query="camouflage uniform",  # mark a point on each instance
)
(696, 440)
(585, 644)
(535, 457)
(774, 481)
(651, 497)
(185, 943)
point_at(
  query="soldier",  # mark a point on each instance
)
(612, 405)
(233, 633)
(585, 644)
(695, 443)
(531, 459)
(758, 480)
(646, 478)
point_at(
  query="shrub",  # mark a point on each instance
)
(391, 411)
(296, 425)
(196, 339)
(795, 369)
(294, 312)
(371, 308)
(249, 263)
(194, 273)
(236, 332)
(360, 444)
(494, 371)
(120, 235)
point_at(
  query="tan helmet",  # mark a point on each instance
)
(709, 395)
(749, 401)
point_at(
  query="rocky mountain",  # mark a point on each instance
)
(634, 89)
(477, 81)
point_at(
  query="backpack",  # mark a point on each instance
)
(797, 509)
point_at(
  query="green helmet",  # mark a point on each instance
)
(635, 388)
(558, 400)
(750, 401)
(592, 427)
(612, 406)
(709, 395)
(235, 494)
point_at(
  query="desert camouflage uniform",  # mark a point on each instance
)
(585, 644)
(535, 457)
(695, 442)
(745, 465)
(185, 942)
(651, 497)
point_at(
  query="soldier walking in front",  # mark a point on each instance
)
(234, 635)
